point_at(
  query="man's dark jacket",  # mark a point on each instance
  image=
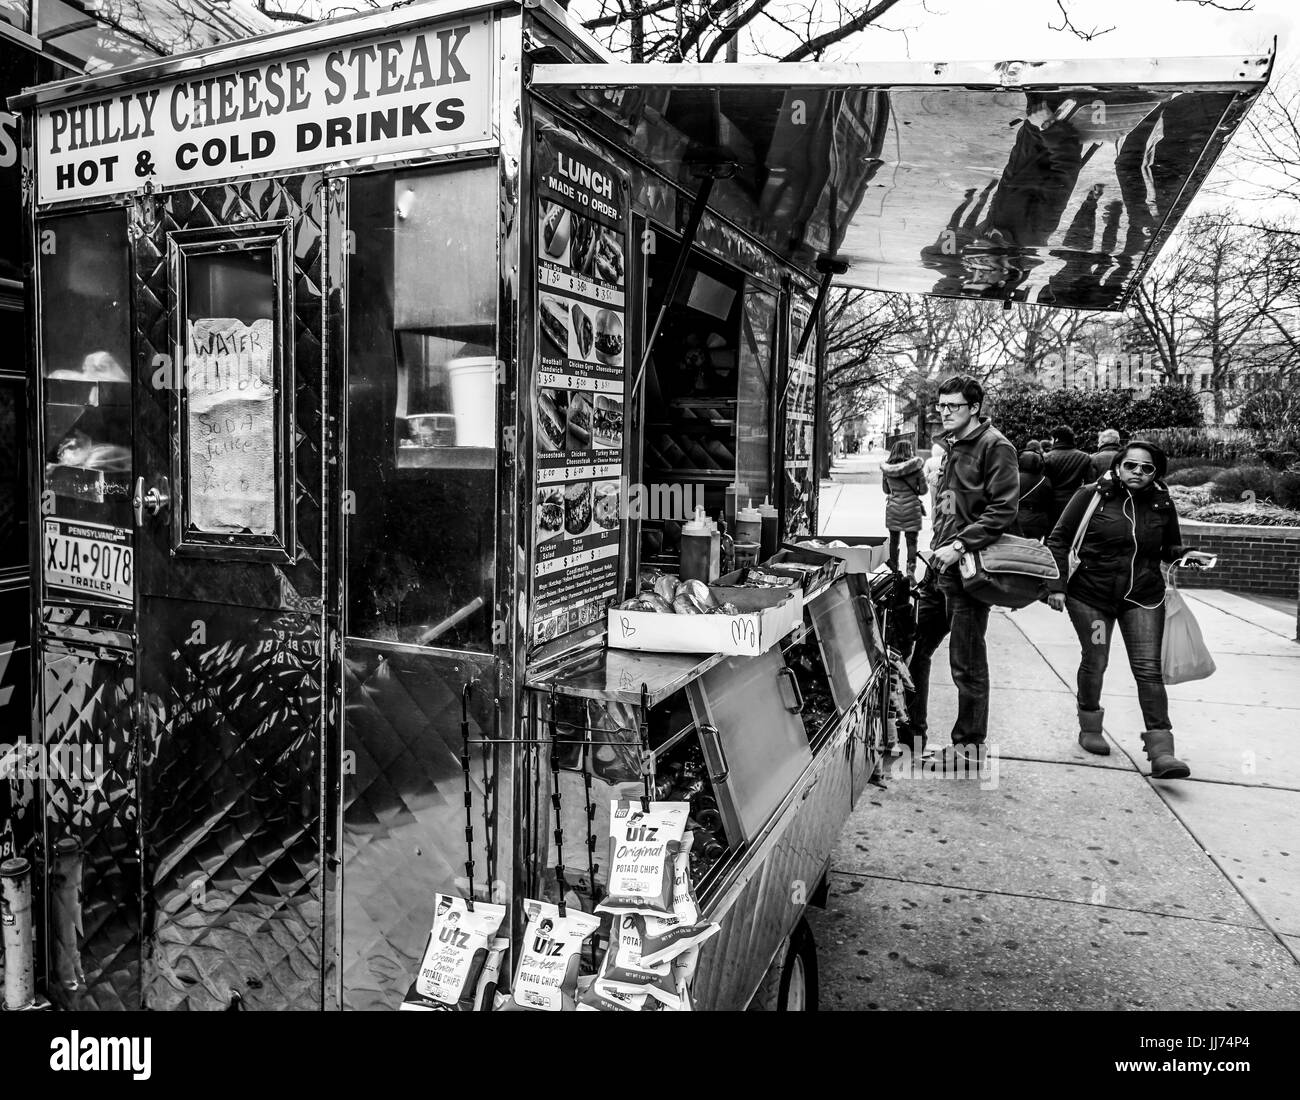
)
(979, 489)
(1128, 537)
(1066, 468)
(1101, 461)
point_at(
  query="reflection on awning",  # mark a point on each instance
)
(1050, 182)
(93, 35)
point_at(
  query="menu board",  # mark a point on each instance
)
(582, 381)
(231, 425)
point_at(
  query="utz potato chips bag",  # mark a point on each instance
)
(624, 971)
(664, 938)
(642, 847)
(546, 979)
(458, 947)
(596, 996)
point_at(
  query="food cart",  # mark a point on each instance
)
(376, 359)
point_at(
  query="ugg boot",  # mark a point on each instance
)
(1090, 735)
(1160, 751)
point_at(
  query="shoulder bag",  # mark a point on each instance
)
(1009, 572)
(1072, 563)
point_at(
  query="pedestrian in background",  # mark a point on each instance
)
(1132, 529)
(1035, 446)
(1107, 445)
(932, 470)
(1067, 468)
(1034, 518)
(905, 486)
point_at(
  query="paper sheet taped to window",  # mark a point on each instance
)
(231, 424)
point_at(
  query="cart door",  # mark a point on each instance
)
(227, 505)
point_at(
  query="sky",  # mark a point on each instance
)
(956, 30)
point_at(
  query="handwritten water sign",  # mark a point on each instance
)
(231, 420)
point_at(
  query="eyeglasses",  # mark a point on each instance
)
(1137, 467)
(951, 406)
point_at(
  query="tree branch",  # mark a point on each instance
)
(816, 46)
(1067, 24)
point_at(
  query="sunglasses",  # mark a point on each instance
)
(1137, 467)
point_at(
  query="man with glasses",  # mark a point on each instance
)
(978, 496)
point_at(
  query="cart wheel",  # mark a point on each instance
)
(790, 984)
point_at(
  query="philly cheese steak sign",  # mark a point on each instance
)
(581, 385)
(407, 93)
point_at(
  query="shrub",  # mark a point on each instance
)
(1200, 462)
(1168, 406)
(1187, 498)
(1286, 488)
(1230, 484)
(1193, 475)
(1262, 515)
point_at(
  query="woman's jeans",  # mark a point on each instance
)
(911, 550)
(1144, 630)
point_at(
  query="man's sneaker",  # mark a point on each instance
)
(957, 758)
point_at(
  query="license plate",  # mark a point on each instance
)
(89, 559)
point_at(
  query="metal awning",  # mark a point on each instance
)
(1052, 181)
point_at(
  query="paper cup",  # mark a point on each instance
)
(473, 400)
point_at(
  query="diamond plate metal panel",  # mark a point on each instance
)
(404, 810)
(230, 807)
(90, 797)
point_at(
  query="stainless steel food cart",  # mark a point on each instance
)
(375, 358)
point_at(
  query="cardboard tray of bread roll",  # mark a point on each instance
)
(766, 616)
(860, 553)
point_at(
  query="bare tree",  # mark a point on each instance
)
(1222, 305)
(1264, 160)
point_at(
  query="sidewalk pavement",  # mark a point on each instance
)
(1057, 879)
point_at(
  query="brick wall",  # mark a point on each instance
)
(1251, 559)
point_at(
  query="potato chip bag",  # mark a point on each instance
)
(664, 938)
(624, 971)
(642, 847)
(457, 949)
(546, 979)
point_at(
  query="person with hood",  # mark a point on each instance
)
(1066, 467)
(1034, 519)
(1132, 529)
(932, 469)
(978, 494)
(1107, 445)
(904, 484)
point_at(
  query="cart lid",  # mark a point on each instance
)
(1043, 181)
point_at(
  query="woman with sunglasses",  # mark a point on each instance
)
(1132, 529)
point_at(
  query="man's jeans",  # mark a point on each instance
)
(1144, 631)
(942, 608)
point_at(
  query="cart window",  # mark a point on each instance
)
(232, 414)
(753, 414)
(85, 359)
(422, 428)
(800, 429)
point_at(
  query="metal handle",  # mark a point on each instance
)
(720, 776)
(156, 499)
(798, 695)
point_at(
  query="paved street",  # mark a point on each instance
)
(1063, 880)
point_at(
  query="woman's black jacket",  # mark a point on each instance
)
(1128, 537)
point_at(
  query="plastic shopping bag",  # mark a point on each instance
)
(1184, 656)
